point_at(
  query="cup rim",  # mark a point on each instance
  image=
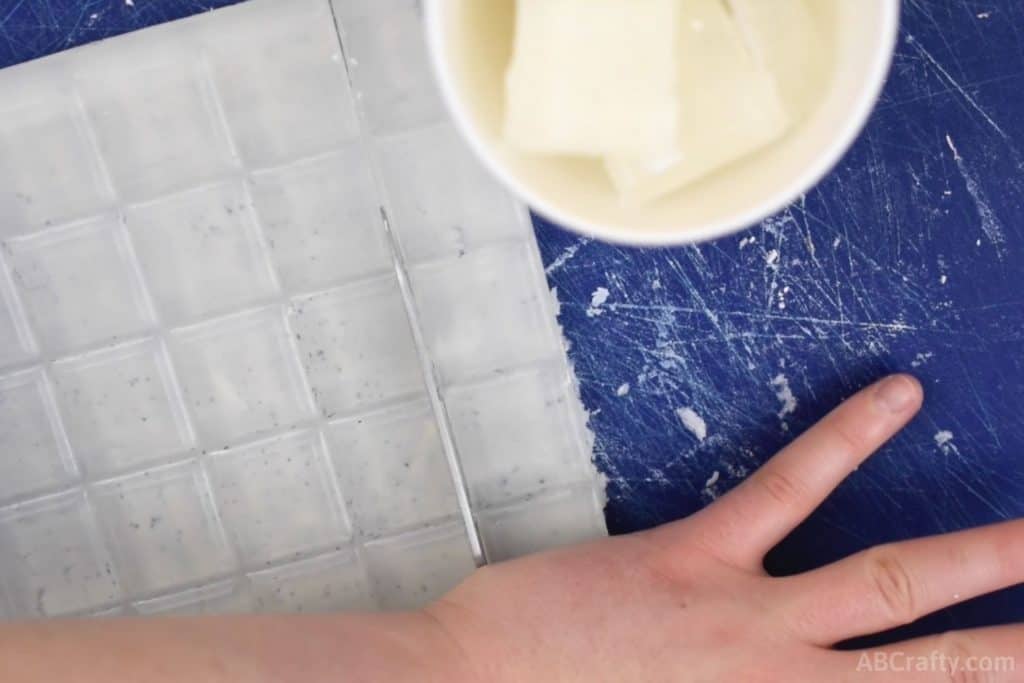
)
(822, 165)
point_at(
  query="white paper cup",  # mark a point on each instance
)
(470, 44)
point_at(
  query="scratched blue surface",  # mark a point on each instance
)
(908, 257)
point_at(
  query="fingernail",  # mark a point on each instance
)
(896, 393)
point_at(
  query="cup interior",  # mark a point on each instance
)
(471, 45)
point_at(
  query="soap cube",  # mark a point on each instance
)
(729, 107)
(593, 77)
(786, 41)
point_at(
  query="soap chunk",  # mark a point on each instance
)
(729, 107)
(594, 77)
(786, 41)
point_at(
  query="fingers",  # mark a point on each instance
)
(993, 655)
(746, 523)
(892, 585)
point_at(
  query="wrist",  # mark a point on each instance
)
(448, 633)
(401, 646)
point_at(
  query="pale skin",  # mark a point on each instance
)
(688, 601)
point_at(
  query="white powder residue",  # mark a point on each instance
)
(556, 303)
(921, 358)
(782, 297)
(622, 390)
(130, 3)
(709, 486)
(943, 279)
(597, 300)
(747, 241)
(990, 223)
(772, 257)
(836, 242)
(944, 440)
(693, 422)
(983, 15)
(785, 396)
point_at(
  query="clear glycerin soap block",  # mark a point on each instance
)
(212, 392)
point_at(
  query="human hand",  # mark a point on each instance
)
(690, 601)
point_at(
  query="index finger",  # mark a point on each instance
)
(752, 518)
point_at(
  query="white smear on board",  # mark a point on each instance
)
(944, 440)
(597, 300)
(785, 395)
(622, 390)
(747, 241)
(921, 358)
(772, 257)
(693, 422)
(983, 15)
(568, 254)
(990, 223)
(709, 485)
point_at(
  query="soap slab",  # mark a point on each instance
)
(212, 394)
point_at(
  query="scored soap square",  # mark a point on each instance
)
(558, 519)
(513, 435)
(33, 452)
(278, 499)
(328, 583)
(322, 220)
(282, 80)
(485, 312)
(121, 407)
(442, 200)
(387, 57)
(49, 170)
(392, 469)
(414, 569)
(78, 285)
(54, 560)
(163, 528)
(157, 123)
(16, 343)
(357, 346)
(239, 376)
(201, 251)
